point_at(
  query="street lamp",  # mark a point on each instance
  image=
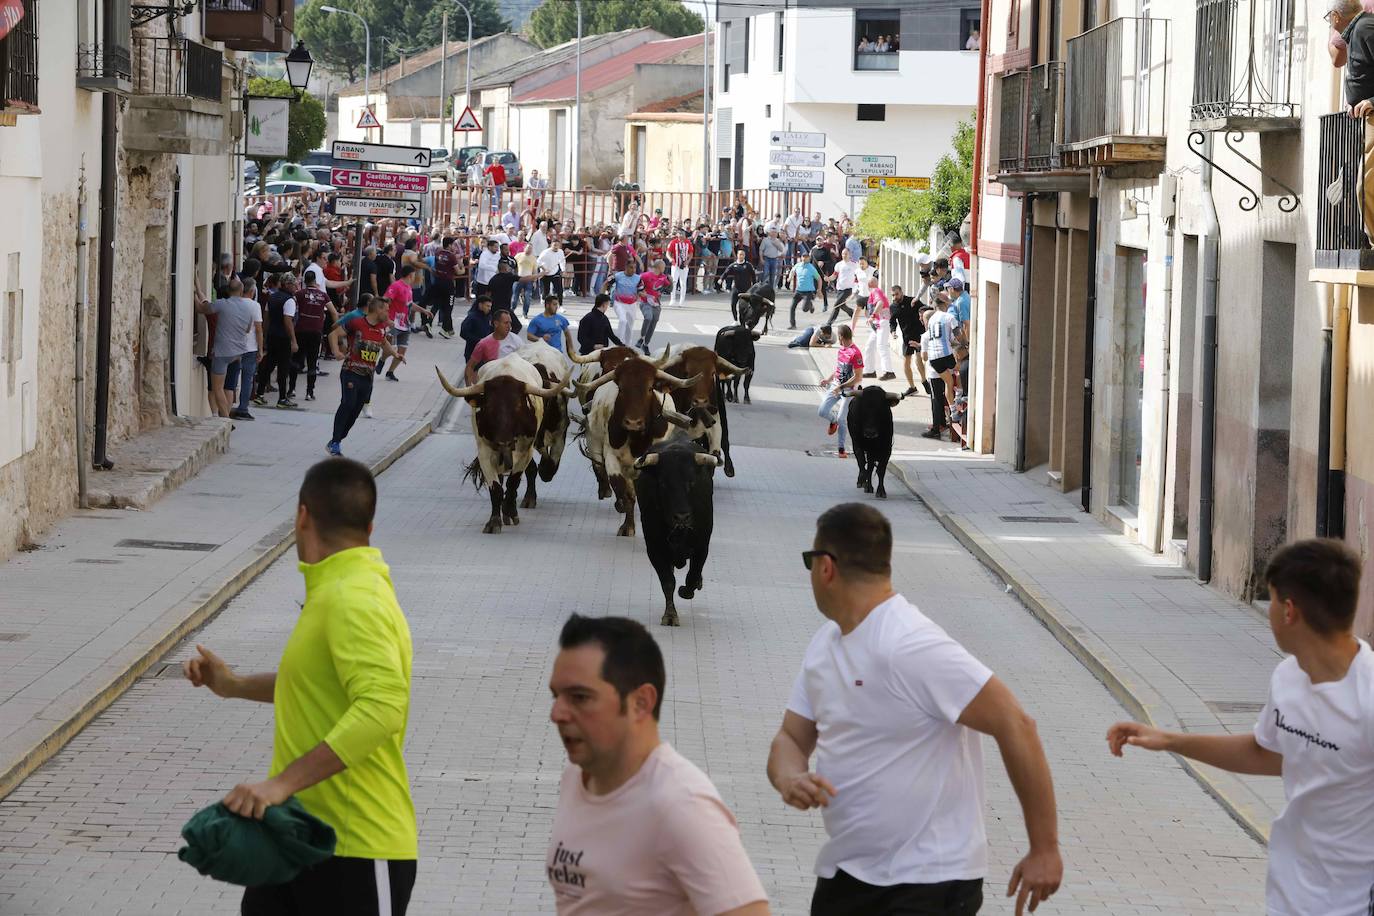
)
(443, 72)
(577, 113)
(367, 53)
(706, 106)
(298, 66)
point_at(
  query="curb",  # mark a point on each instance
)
(269, 549)
(1141, 702)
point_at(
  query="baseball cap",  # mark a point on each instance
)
(956, 284)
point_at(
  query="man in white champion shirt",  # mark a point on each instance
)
(890, 705)
(1316, 731)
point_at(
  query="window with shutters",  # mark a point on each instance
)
(19, 57)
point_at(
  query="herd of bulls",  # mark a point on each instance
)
(654, 430)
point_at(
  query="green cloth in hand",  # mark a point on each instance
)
(251, 853)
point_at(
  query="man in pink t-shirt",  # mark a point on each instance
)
(639, 828)
(878, 347)
(400, 299)
(849, 370)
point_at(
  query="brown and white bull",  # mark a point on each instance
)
(552, 436)
(507, 404)
(588, 369)
(625, 417)
(702, 402)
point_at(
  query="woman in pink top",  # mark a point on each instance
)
(400, 299)
(877, 349)
(651, 302)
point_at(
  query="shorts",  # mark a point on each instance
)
(400, 338)
(359, 887)
(219, 365)
(909, 349)
(943, 363)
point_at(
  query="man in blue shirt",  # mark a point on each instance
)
(958, 306)
(805, 280)
(854, 247)
(550, 327)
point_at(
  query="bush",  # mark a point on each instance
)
(900, 214)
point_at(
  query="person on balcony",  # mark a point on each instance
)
(1356, 33)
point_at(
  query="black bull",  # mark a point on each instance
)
(735, 344)
(676, 513)
(870, 435)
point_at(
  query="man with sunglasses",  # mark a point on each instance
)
(889, 703)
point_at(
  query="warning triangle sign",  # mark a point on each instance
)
(367, 120)
(467, 121)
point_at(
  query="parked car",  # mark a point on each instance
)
(438, 162)
(458, 163)
(323, 174)
(293, 187)
(514, 176)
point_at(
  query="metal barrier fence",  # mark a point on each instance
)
(591, 208)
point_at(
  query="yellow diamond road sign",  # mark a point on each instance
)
(898, 181)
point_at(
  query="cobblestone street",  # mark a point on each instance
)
(96, 829)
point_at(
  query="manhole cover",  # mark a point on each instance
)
(1234, 707)
(165, 545)
(1038, 519)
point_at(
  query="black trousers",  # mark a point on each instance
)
(337, 885)
(356, 391)
(937, 401)
(440, 301)
(840, 307)
(808, 301)
(552, 286)
(307, 358)
(845, 895)
(277, 357)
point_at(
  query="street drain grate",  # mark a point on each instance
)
(1173, 576)
(165, 545)
(97, 561)
(799, 386)
(162, 670)
(1040, 519)
(13, 637)
(1234, 707)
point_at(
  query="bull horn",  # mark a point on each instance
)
(583, 360)
(585, 389)
(646, 461)
(724, 365)
(537, 391)
(677, 382)
(677, 419)
(471, 391)
(713, 460)
(663, 360)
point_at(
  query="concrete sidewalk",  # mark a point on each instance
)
(1174, 652)
(107, 592)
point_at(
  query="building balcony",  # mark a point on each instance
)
(1032, 132)
(250, 25)
(1243, 68)
(1341, 241)
(1116, 94)
(177, 104)
(104, 59)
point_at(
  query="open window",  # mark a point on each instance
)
(876, 37)
(970, 29)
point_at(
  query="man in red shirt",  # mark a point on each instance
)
(495, 172)
(680, 261)
(441, 289)
(622, 257)
(957, 251)
(367, 345)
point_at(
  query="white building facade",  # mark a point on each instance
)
(796, 67)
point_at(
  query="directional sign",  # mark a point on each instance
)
(914, 184)
(856, 186)
(405, 182)
(808, 158)
(466, 121)
(376, 206)
(367, 120)
(867, 165)
(381, 152)
(796, 181)
(798, 138)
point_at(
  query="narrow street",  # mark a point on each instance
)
(96, 829)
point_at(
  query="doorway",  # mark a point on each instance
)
(1130, 273)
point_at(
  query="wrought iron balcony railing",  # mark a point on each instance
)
(1117, 82)
(1011, 140)
(19, 61)
(177, 67)
(1244, 73)
(1341, 238)
(1045, 116)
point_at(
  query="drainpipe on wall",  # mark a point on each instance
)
(82, 300)
(109, 199)
(1211, 245)
(1324, 418)
(1089, 332)
(172, 314)
(1023, 350)
(1340, 368)
(1167, 186)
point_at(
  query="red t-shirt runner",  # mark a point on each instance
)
(364, 345)
(497, 171)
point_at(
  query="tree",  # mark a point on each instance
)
(338, 42)
(305, 124)
(335, 41)
(555, 21)
(902, 214)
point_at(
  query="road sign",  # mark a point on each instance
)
(466, 121)
(267, 127)
(808, 158)
(377, 206)
(867, 165)
(381, 152)
(405, 182)
(798, 138)
(856, 186)
(893, 181)
(779, 180)
(367, 120)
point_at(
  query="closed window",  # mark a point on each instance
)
(872, 113)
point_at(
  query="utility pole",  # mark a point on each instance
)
(444, 138)
(577, 114)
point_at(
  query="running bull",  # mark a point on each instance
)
(703, 402)
(870, 435)
(675, 508)
(735, 344)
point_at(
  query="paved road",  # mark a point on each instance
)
(95, 830)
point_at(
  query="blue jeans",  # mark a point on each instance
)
(599, 273)
(526, 293)
(827, 411)
(772, 271)
(248, 371)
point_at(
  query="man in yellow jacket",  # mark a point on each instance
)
(342, 698)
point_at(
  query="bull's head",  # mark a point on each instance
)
(635, 403)
(501, 412)
(673, 472)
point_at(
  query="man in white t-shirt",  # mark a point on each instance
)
(845, 277)
(1316, 731)
(639, 829)
(890, 705)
